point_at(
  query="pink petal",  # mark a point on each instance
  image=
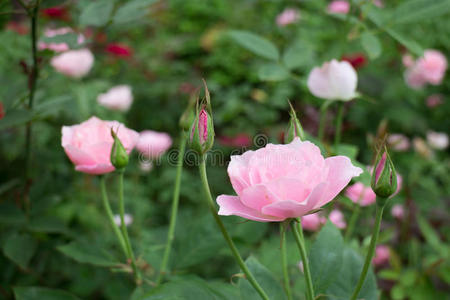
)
(78, 156)
(257, 197)
(231, 205)
(95, 169)
(238, 171)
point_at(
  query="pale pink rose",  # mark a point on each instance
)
(437, 140)
(334, 81)
(58, 47)
(153, 144)
(414, 77)
(278, 182)
(88, 145)
(339, 7)
(428, 69)
(312, 222)
(382, 254)
(337, 218)
(127, 219)
(398, 211)
(74, 63)
(398, 142)
(288, 16)
(117, 98)
(434, 100)
(361, 194)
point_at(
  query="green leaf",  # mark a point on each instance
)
(412, 46)
(16, 117)
(131, 11)
(297, 55)
(371, 44)
(71, 39)
(255, 43)
(97, 13)
(348, 275)
(40, 293)
(272, 72)
(86, 253)
(20, 249)
(265, 279)
(325, 256)
(47, 224)
(419, 10)
(432, 237)
(11, 214)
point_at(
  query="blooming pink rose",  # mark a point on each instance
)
(337, 218)
(339, 7)
(58, 47)
(312, 222)
(74, 63)
(117, 98)
(153, 144)
(361, 194)
(382, 254)
(434, 100)
(398, 211)
(334, 81)
(428, 69)
(398, 142)
(88, 145)
(288, 16)
(278, 182)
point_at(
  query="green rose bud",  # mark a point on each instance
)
(294, 129)
(119, 156)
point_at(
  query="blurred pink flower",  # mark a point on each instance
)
(58, 47)
(382, 254)
(333, 81)
(288, 16)
(88, 145)
(284, 181)
(312, 222)
(408, 60)
(73, 63)
(434, 100)
(421, 147)
(339, 7)
(398, 211)
(153, 144)
(437, 140)
(240, 140)
(428, 69)
(127, 218)
(361, 194)
(337, 218)
(378, 3)
(398, 142)
(117, 98)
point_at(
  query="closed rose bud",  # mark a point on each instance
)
(295, 129)
(119, 156)
(333, 81)
(202, 132)
(384, 177)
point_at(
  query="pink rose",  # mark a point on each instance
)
(153, 144)
(437, 140)
(428, 69)
(337, 218)
(74, 63)
(382, 254)
(278, 182)
(88, 145)
(339, 7)
(434, 100)
(361, 194)
(398, 142)
(313, 222)
(58, 47)
(334, 81)
(398, 211)
(288, 16)
(117, 98)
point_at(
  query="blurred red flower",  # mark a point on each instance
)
(119, 50)
(2, 111)
(240, 140)
(357, 60)
(17, 27)
(56, 12)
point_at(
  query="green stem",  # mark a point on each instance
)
(123, 226)
(298, 234)
(323, 119)
(352, 222)
(111, 215)
(249, 276)
(370, 253)
(339, 116)
(173, 215)
(287, 286)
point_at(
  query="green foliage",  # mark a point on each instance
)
(20, 248)
(39, 293)
(255, 43)
(97, 13)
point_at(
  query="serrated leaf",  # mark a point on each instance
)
(255, 43)
(20, 249)
(371, 44)
(273, 72)
(131, 11)
(97, 13)
(40, 293)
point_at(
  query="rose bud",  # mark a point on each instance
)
(295, 129)
(384, 177)
(333, 81)
(119, 156)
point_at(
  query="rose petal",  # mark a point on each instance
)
(231, 205)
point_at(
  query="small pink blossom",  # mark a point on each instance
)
(288, 16)
(437, 140)
(73, 63)
(118, 98)
(153, 144)
(428, 69)
(127, 218)
(339, 7)
(337, 218)
(361, 194)
(382, 254)
(58, 47)
(312, 222)
(398, 211)
(434, 100)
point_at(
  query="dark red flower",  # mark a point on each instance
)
(56, 12)
(2, 111)
(17, 27)
(119, 50)
(357, 60)
(240, 140)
